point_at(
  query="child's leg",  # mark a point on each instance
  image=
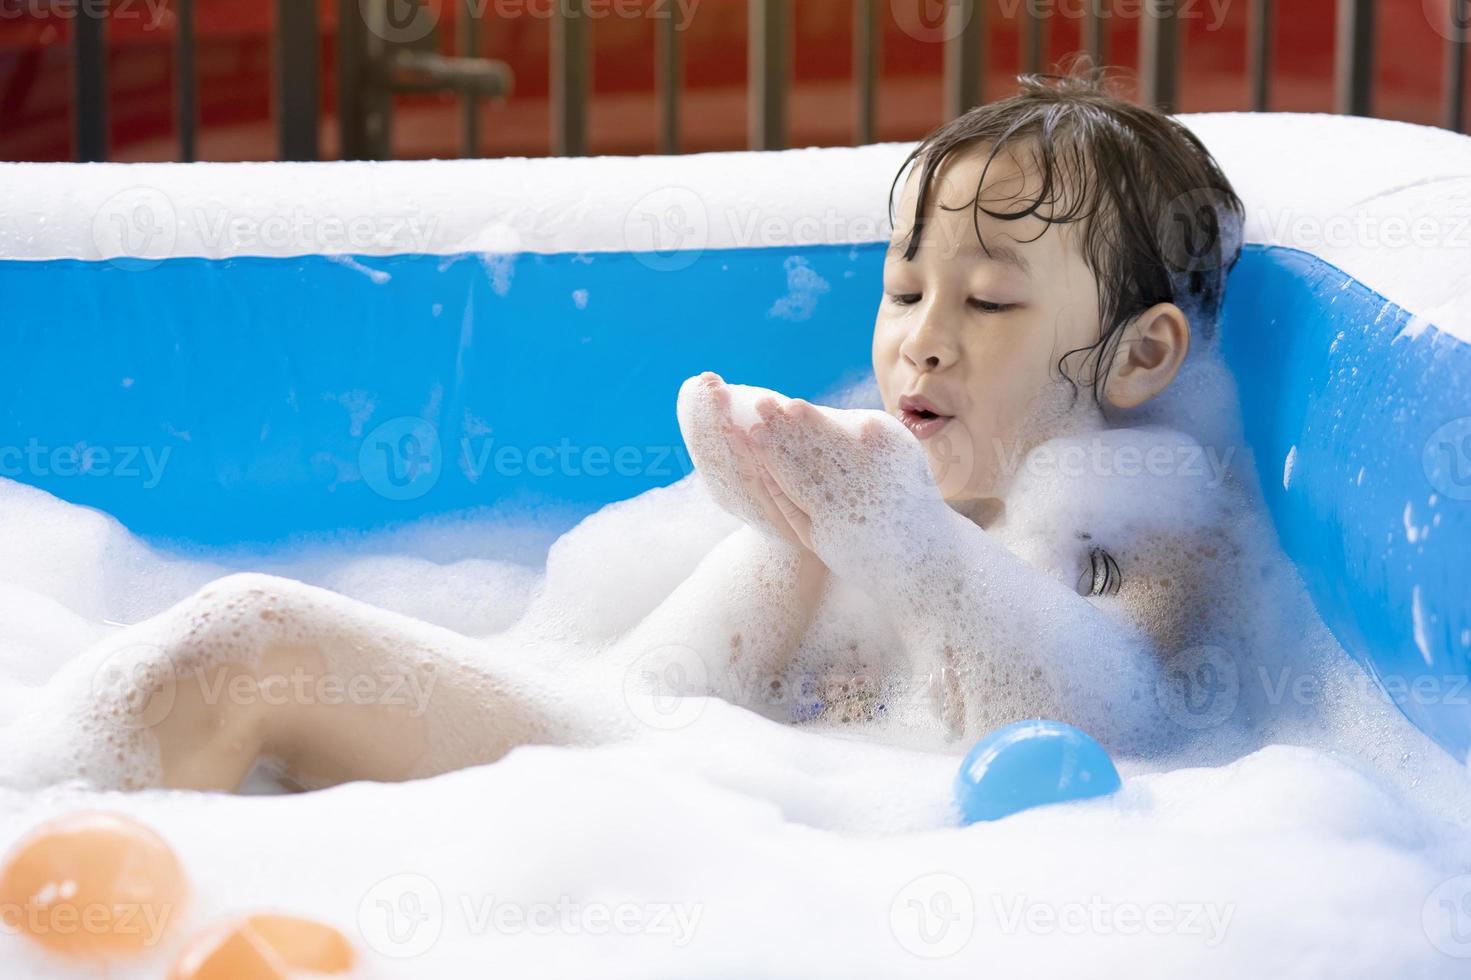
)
(334, 689)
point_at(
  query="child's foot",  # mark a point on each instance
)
(726, 461)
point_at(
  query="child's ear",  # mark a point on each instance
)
(1149, 355)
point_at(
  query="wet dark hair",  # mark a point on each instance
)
(1159, 220)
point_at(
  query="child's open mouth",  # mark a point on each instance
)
(921, 417)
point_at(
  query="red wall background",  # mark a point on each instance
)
(234, 55)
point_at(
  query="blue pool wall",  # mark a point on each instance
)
(250, 401)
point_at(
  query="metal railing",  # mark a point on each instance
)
(371, 68)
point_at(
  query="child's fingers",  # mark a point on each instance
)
(796, 518)
(751, 474)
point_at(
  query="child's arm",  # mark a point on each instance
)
(746, 608)
(1002, 639)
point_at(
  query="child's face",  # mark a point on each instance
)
(977, 338)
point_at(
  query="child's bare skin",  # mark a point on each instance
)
(911, 509)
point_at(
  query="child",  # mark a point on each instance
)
(913, 570)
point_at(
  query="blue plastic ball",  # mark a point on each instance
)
(1031, 763)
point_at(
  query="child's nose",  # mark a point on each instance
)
(929, 347)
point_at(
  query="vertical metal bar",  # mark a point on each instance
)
(669, 75)
(89, 83)
(1259, 53)
(298, 72)
(866, 42)
(351, 129)
(185, 91)
(1354, 61)
(964, 31)
(767, 70)
(1455, 65)
(1036, 39)
(569, 81)
(1159, 42)
(467, 38)
(1095, 39)
(363, 99)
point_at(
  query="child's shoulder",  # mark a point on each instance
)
(1116, 491)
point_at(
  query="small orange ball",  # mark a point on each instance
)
(92, 884)
(264, 946)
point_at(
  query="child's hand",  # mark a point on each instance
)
(727, 463)
(855, 491)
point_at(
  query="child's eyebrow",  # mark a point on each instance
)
(993, 252)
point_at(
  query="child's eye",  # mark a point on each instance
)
(986, 306)
(904, 299)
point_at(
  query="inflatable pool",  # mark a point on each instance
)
(229, 359)
(237, 355)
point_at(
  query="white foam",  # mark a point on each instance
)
(1314, 825)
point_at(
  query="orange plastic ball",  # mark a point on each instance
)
(264, 946)
(92, 884)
